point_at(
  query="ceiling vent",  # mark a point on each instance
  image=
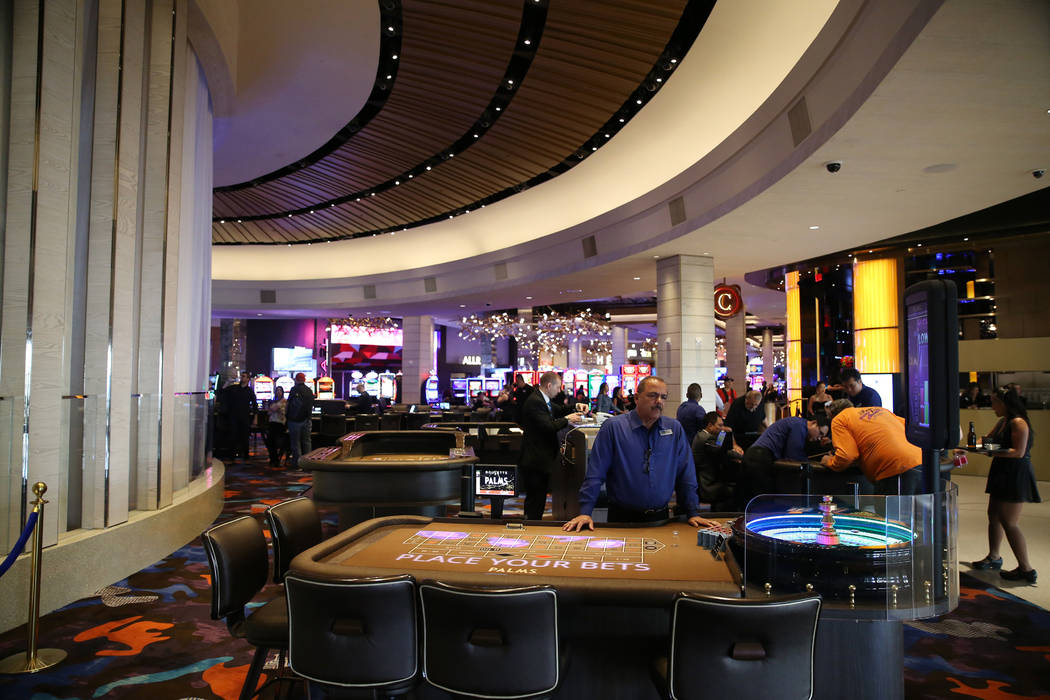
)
(267, 296)
(798, 118)
(500, 270)
(370, 291)
(590, 247)
(677, 208)
(430, 284)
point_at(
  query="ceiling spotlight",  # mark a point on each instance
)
(462, 306)
(638, 278)
(238, 221)
(919, 245)
(222, 221)
(813, 228)
(389, 77)
(289, 216)
(638, 101)
(510, 82)
(397, 182)
(394, 57)
(475, 135)
(528, 42)
(528, 298)
(499, 109)
(966, 239)
(659, 80)
(428, 167)
(674, 60)
(622, 120)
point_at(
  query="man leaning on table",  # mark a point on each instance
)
(642, 457)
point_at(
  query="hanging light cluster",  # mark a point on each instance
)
(549, 332)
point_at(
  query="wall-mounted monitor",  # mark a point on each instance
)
(293, 360)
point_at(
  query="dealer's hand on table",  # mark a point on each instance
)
(574, 418)
(577, 523)
(698, 522)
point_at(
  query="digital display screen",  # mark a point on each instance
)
(917, 319)
(495, 480)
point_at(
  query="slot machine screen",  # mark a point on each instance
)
(473, 387)
(493, 386)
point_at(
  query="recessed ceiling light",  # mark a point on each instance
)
(674, 60)
(499, 109)
(389, 77)
(919, 245)
(462, 306)
(428, 167)
(638, 101)
(638, 278)
(656, 256)
(258, 314)
(813, 228)
(967, 238)
(394, 57)
(528, 297)
(528, 42)
(222, 221)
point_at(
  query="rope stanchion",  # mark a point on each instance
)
(34, 660)
(20, 545)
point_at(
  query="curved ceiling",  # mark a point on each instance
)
(474, 101)
(888, 90)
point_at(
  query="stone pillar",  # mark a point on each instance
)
(736, 350)
(417, 356)
(767, 355)
(575, 355)
(619, 347)
(686, 325)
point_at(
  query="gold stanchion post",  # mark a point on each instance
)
(34, 660)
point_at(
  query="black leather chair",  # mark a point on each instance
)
(366, 421)
(239, 562)
(491, 643)
(333, 427)
(354, 637)
(740, 647)
(415, 421)
(295, 526)
(390, 421)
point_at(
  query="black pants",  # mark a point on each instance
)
(535, 483)
(907, 483)
(276, 442)
(241, 429)
(619, 514)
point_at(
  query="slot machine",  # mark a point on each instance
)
(568, 380)
(528, 375)
(263, 388)
(493, 385)
(371, 381)
(325, 388)
(388, 386)
(459, 390)
(474, 385)
(594, 382)
(628, 378)
(430, 393)
(285, 383)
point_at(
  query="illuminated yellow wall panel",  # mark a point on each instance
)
(875, 316)
(793, 341)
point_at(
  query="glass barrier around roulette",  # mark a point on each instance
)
(870, 557)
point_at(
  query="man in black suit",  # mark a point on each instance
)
(539, 452)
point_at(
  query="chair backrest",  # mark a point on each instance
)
(367, 421)
(237, 556)
(352, 632)
(333, 425)
(741, 647)
(295, 526)
(390, 421)
(490, 643)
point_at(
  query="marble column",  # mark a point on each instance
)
(619, 347)
(417, 355)
(767, 355)
(685, 325)
(736, 350)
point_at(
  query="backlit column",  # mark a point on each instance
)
(767, 355)
(575, 359)
(876, 339)
(793, 342)
(417, 355)
(619, 347)
(685, 324)
(736, 349)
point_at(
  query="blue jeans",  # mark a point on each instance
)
(299, 439)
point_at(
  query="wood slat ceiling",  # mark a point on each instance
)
(592, 57)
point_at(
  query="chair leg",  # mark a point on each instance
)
(248, 691)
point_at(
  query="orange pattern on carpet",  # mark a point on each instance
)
(135, 636)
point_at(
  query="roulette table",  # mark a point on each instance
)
(641, 565)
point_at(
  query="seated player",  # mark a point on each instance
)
(746, 417)
(874, 438)
(787, 438)
(715, 475)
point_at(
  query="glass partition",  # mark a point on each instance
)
(869, 557)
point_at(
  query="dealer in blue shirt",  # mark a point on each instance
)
(642, 457)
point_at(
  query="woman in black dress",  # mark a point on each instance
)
(1011, 483)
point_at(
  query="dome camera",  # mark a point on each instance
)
(833, 166)
(1038, 173)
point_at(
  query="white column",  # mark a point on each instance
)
(619, 347)
(417, 355)
(685, 323)
(767, 355)
(736, 350)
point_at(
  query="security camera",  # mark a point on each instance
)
(833, 166)
(1038, 173)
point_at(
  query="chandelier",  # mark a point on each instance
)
(549, 332)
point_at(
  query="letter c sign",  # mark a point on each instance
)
(727, 300)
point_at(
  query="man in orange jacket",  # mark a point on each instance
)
(875, 438)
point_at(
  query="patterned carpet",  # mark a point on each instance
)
(150, 635)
